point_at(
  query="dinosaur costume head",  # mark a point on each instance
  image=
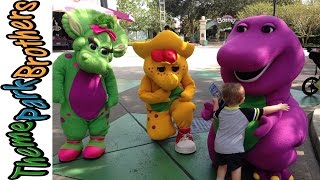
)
(165, 59)
(262, 53)
(97, 38)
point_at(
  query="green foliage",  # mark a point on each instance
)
(189, 12)
(260, 8)
(145, 12)
(304, 20)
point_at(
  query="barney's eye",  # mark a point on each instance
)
(175, 68)
(161, 68)
(267, 29)
(93, 46)
(105, 51)
(242, 28)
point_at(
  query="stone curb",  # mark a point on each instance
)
(314, 132)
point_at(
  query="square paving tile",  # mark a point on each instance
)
(304, 100)
(124, 132)
(141, 118)
(207, 74)
(199, 125)
(124, 84)
(139, 163)
(198, 164)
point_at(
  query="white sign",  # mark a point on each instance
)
(226, 19)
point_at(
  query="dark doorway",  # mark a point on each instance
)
(212, 33)
(61, 40)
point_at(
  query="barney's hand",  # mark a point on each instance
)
(266, 123)
(207, 112)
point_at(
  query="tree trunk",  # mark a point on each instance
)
(192, 28)
(306, 41)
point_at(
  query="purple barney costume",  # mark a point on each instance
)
(265, 56)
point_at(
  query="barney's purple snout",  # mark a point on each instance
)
(244, 58)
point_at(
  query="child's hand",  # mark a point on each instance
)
(283, 106)
(215, 99)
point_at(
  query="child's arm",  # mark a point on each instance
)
(257, 113)
(215, 101)
(275, 108)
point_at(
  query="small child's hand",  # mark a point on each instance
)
(283, 106)
(215, 99)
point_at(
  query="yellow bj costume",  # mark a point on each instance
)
(167, 89)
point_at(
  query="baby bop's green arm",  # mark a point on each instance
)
(58, 79)
(112, 89)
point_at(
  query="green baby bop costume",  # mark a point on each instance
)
(84, 83)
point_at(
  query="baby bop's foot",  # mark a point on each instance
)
(95, 148)
(70, 151)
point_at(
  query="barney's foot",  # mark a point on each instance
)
(95, 148)
(184, 142)
(70, 151)
(275, 176)
(260, 175)
(286, 175)
(263, 175)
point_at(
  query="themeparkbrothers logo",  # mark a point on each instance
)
(27, 76)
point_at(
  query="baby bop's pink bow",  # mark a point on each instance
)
(97, 30)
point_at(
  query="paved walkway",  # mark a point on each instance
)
(132, 155)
